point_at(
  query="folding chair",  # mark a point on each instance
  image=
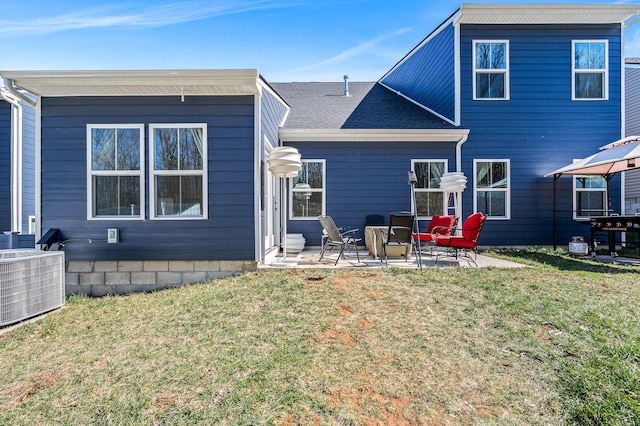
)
(398, 234)
(336, 238)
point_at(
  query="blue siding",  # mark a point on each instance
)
(272, 113)
(5, 166)
(540, 128)
(365, 178)
(427, 76)
(21, 241)
(228, 233)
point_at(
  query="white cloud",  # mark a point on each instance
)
(365, 48)
(167, 14)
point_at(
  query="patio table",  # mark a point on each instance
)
(373, 242)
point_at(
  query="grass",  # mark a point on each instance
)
(555, 343)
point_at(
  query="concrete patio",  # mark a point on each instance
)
(310, 258)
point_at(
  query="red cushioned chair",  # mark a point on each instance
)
(460, 245)
(442, 225)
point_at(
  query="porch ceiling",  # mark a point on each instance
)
(547, 13)
(136, 82)
(372, 135)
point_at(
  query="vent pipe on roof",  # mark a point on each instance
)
(346, 86)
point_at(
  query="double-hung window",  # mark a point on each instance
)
(429, 197)
(590, 196)
(491, 69)
(307, 191)
(115, 157)
(492, 188)
(178, 171)
(590, 67)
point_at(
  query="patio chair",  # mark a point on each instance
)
(398, 234)
(374, 220)
(460, 245)
(443, 225)
(335, 238)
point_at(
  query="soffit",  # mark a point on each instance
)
(372, 135)
(136, 82)
(547, 13)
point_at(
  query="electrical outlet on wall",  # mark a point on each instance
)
(113, 235)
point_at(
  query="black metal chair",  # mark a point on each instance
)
(399, 234)
(374, 220)
(336, 238)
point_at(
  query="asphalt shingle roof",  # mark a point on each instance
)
(370, 106)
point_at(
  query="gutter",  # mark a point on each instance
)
(16, 160)
(14, 91)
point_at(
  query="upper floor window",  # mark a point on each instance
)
(178, 163)
(492, 188)
(590, 196)
(115, 156)
(308, 191)
(590, 69)
(491, 69)
(429, 197)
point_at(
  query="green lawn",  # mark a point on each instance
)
(555, 343)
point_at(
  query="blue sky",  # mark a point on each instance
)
(286, 40)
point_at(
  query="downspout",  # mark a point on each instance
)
(459, 152)
(459, 169)
(16, 160)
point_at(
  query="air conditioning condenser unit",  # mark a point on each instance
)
(31, 283)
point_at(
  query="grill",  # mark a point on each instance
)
(613, 225)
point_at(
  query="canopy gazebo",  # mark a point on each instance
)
(619, 156)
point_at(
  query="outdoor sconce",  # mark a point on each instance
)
(631, 163)
(412, 179)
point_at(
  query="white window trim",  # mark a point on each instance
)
(323, 190)
(605, 71)
(153, 173)
(505, 71)
(444, 201)
(91, 173)
(575, 197)
(507, 190)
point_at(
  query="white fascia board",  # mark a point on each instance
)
(264, 85)
(136, 82)
(372, 135)
(547, 13)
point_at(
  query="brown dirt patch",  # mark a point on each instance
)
(19, 392)
(332, 335)
(393, 410)
(364, 323)
(290, 420)
(345, 310)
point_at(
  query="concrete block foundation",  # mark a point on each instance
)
(100, 278)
